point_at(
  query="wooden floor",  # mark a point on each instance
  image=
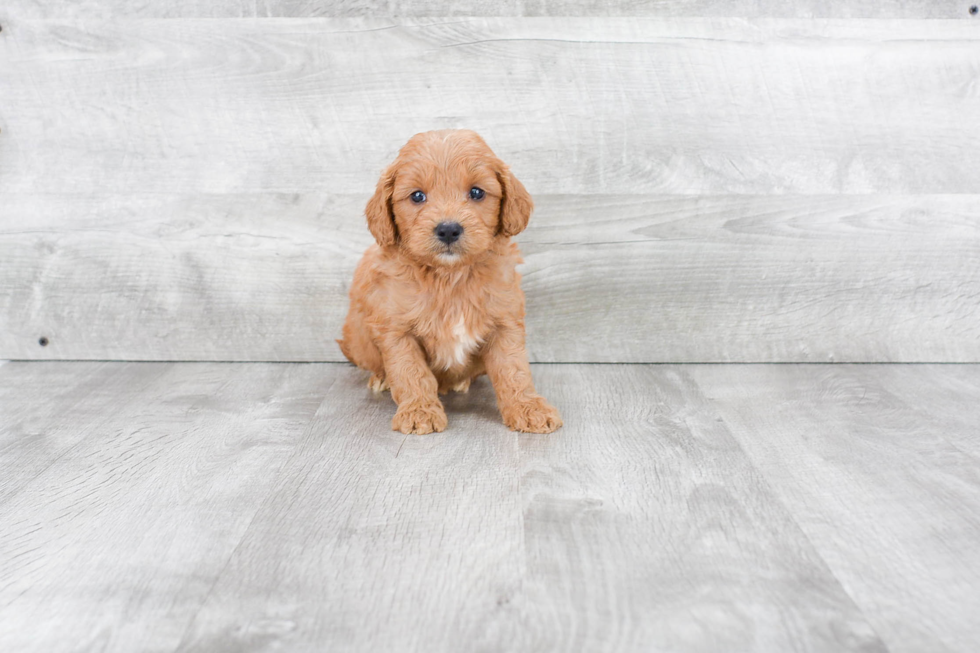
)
(256, 507)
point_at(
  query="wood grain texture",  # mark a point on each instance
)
(873, 480)
(417, 8)
(376, 541)
(943, 395)
(647, 529)
(608, 278)
(576, 105)
(179, 278)
(88, 396)
(222, 510)
(115, 544)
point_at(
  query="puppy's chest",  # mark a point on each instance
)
(452, 338)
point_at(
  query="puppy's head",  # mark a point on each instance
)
(446, 198)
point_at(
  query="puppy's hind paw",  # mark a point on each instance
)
(420, 419)
(462, 387)
(377, 384)
(533, 416)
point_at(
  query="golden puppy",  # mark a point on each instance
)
(437, 301)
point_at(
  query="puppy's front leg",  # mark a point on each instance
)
(522, 408)
(413, 386)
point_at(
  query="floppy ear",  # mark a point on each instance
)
(380, 216)
(515, 205)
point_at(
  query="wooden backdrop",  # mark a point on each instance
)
(716, 181)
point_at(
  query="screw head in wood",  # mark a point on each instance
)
(43, 341)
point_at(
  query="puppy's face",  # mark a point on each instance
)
(446, 198)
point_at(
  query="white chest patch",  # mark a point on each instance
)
(465, 343)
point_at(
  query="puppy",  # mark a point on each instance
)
(437, 301)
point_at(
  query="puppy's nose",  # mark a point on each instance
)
(449, 232)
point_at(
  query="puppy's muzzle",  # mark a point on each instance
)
(449, 232)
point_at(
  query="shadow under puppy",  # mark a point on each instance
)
(437, 301)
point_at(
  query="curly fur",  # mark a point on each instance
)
(427, 318)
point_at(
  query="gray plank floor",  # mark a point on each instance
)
(253, 507)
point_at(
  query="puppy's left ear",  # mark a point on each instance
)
(515, 205)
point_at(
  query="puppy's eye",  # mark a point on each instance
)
(418, 197)
(477, 193)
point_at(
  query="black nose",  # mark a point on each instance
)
(449, 232)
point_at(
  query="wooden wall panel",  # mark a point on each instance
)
(709, 189)
(576, 105)
(629, 278)
(422, 8)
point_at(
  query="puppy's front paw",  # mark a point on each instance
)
(421, 419)
(533, 416)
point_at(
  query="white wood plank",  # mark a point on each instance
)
(945, 396)
(88, 396)
(647, 529)
(24, 387)
(633, 278)
(221, 509)
(116, 544)
(875, 484)
(374, 541)
(416, 8)
(162, 273)
(798, 279)
(576, 105)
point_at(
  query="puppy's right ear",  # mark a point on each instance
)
(379, 212)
